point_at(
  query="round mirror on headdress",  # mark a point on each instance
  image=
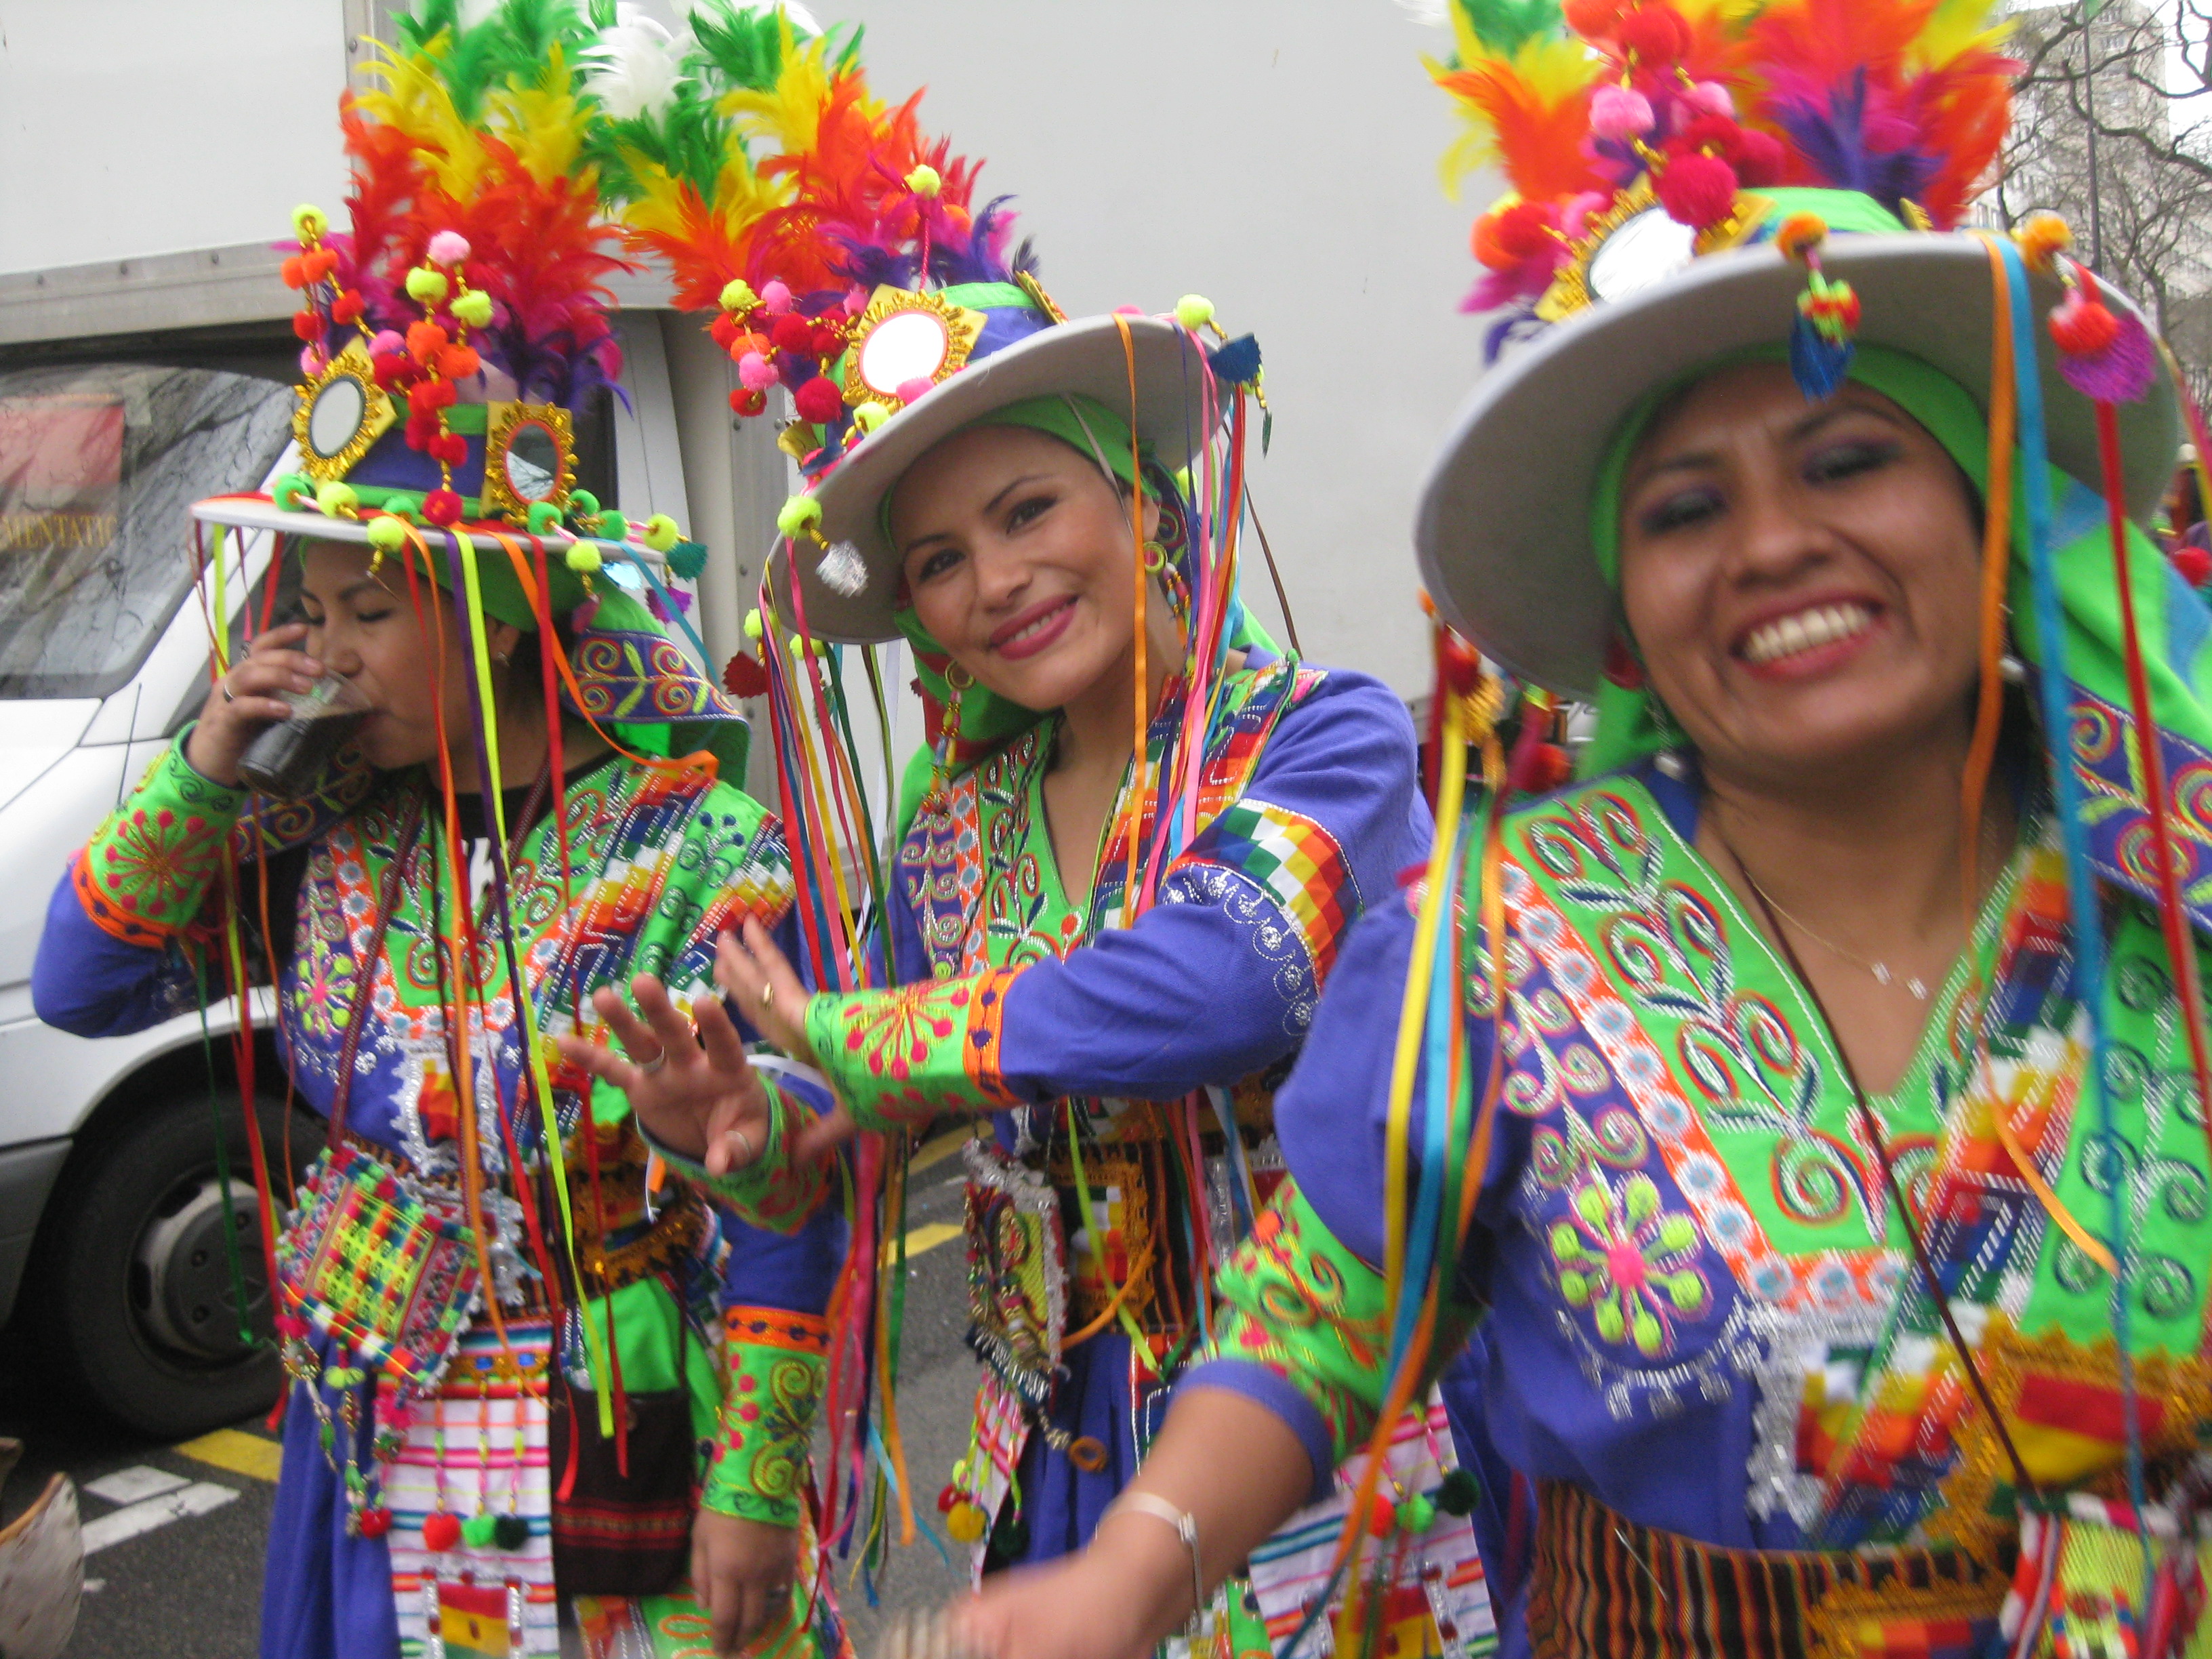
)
(530, 456)
(904, 342)
(1634, 243)
(341, 412)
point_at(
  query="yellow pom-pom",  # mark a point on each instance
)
(738, 296)
(425, 285)
(386, 534)
(2042, 238)
(1193, 311)
(1800, 236)
(661, 534)
(473, 308)
(799, 514)
(964, 1521)
(869, 416)
(335, 500)
(925, 180)
(584, 558)
(309, 221)
(753, 626)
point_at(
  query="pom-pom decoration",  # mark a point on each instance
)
(744, 677)
(2107, 356)
(584, 559)
(2042, 238)
(661, 534)
(2192, 563)
(440, 1532)
(1193, 311)
(798, 516)
(374, 1522)
(442, 507)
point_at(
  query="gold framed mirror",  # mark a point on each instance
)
(904, 337)
(530, 456)
(340, 413)
(1635, 243)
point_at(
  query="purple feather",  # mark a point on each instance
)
(1850, 145)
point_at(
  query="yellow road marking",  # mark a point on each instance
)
(240, 1453)
(929, 1237)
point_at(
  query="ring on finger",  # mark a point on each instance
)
(649, 1067)
(767, 998)
(227, 696)
(747, 1141)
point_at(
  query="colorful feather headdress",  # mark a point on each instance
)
(1597, 109)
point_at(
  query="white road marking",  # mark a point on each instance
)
(129, 1485)
(199, 1498)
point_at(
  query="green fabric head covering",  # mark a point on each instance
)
(2173, 620)
(1098, 434)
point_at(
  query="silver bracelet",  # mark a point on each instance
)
(1186, 1527)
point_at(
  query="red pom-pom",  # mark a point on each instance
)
(818, 401)
(1759, 158)
(2192, 563)
(425, 340)
(2083, 327)
(1459, 665)
(390, 368)
(442, 506)
(307, 324)
(742, 677)
(829, 341)
(1504, 238)
(346, 308)
(317, 263)
(375, 1522)
(440, 1532)
(1594, 20)
(1716, 133)
(1696, 190)
(450, 447)
(946, 1499)
(1545, 767)
(459, 362)
(748, 403)
(422, 431)
(294, 271)
(1657, 34)
(723, 329)
(1383, 1519)
(793, 332)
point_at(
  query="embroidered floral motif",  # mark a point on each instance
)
(776, 1361)
(142, 877)
(900, 1057)
(1627, 1261)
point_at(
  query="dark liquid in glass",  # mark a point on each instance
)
(289, 759)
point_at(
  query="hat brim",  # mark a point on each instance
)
(1084, 357)
(1503, 530)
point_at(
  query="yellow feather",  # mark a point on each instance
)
(415, 101)
(1956, 28)
(789, 114)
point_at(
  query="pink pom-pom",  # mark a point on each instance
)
(1711, 98)
(856, 300)
(917, 387)
(1128, 311)
(1619, 113)
(312, 362)
(388, 343)
(777, 298)
(448, 247)
(755, 372)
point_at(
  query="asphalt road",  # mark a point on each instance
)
(188, 1584)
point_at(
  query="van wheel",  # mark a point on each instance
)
(131, 1291)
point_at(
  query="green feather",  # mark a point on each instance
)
(1505, 25)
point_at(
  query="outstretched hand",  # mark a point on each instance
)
(765, 987)
(687, 1079)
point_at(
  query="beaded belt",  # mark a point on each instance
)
(1601, 1587)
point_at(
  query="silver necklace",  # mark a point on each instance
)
(1881, 970)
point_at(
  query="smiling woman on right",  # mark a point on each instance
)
(1831, 1173)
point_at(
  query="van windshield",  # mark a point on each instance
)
(98, 464)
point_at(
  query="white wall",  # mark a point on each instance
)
(1280, 157)
(133, 127)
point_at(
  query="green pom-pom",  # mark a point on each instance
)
(510, 1533)
(869, 416)
(1193, 311)
(687, 560)
(1459, 1492)
(800, 513)
(1010, 1538)
(661, 534)
(738, 296)
(583, 504)
(753, 629)
(309, 221)
(613, 526)
(293, 492)
(544, 515)
(584, 558)
(426, 286)
(1416, 1515)
(403, 504)
(478, 1531)
(336, 499)
(386, 534)
(473, 308)
(925, 180)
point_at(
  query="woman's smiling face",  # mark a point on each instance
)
(1801, 580)
(1017, 558)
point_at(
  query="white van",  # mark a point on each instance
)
(116, 1270)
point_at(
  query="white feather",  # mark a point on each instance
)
(637, 65)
